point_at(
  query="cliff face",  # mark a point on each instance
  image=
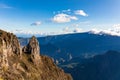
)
(9, 46)
(26, 63)
(33, 50)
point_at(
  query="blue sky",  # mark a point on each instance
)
(58, 16)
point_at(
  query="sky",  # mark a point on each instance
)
(42, 17)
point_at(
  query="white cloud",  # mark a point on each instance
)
(75, 25)
(27, 33)
(116, 26)
(66, 29)
(63, 18)
(80, 12)
(68, 10)
(94, 31)
(4, 6)
(62, 11)
(115, 30)
(36, 23)
(76, 30)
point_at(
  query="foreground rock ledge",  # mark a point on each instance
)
(27, 63)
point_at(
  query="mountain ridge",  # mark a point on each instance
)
(100, 67)
(79, 44)
(17, 63)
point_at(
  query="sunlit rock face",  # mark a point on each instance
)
(33, 49)
(26, 63)
(9, 45)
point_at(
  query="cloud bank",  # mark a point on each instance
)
(68, 15)
(114, 30)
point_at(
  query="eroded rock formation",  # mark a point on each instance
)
(26, 64)
(9, 45)
(33, 49)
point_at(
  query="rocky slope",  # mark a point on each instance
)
(26, 63)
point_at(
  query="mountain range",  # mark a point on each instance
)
(100, 67)
(67, 46)
(86, 56)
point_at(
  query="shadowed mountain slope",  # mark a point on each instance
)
(100, 67)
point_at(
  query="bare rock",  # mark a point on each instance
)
(33, 49)
(9, 45)
(32, 65)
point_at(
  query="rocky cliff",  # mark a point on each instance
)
(26, 63)
(33, 50)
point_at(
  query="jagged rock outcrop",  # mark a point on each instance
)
(33, 49)
(26, 64)
(9, 45)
